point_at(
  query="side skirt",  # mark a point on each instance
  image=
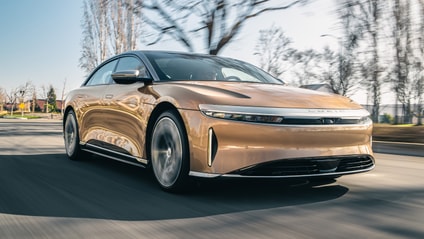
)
(118, 156)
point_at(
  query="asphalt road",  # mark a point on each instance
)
(45, 195)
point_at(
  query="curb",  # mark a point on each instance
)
(401, 148)
(20, 120)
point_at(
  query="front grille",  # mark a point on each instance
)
(350, 164)
(320, 121)
(310, 166)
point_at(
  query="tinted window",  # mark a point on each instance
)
(103, 74)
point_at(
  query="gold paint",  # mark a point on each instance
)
(121, 119)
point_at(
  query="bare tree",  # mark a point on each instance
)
(95, 31)
(3, 99)
(330, 65)
(306, 67)
(216, 21)
(368, 15)
(34, 100)
(125, 19)
(12, 97)
(45, 96)
(19, 94)
(348, 81)
(274, 51)
(337, 70)
(418, 83)
(403, 53)
(109, 28)
(420, 65)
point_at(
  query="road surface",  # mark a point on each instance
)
(45, 195)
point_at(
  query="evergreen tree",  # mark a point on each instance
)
(51, 99)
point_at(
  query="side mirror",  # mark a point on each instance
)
(131, 76)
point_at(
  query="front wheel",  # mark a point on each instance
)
(169, 152)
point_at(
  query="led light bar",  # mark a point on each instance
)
(286, 115)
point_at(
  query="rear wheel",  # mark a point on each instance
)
(71, 135)
(169, 152)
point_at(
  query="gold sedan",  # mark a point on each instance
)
(190, 115)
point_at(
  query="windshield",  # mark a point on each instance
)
(179, 66)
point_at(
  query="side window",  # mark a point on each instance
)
(132, 63)
(102, 75)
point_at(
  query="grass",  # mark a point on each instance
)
(399, 133)
(19, 116)
(394, 125)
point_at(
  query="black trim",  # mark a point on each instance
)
(310, 166)
(112, 152)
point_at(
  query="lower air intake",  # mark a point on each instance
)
(310, 166)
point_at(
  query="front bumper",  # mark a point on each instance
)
(301, 168)
(243, 149)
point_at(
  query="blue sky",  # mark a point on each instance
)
(40, 42)
(40, 39)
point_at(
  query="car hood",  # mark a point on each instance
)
(190, 94)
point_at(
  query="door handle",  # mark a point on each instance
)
(108, 96)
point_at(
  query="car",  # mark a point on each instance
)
(187, 115)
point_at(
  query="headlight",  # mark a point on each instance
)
(365, 120)
(287, 116)
(245, 117)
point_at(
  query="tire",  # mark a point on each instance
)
(71, 136)
(169, 153)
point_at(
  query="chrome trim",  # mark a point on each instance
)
(141, 160)
(216, 175)
(204, 175)
(286, 112)
(210, 133)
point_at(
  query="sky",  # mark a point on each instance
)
(40, 40)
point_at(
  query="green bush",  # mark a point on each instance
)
(387, 119)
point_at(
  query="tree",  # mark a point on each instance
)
(3, 99)
(330, 65)
(109, 28)
(12, 97)
(402, 60)
(347, 80)
(216, 21)
(274, 51)
(19, 94)
(338, 70)
(51, 100)
(368, 15)
(306, 68)
(34, 101)
(420, 65)
(95, 31)
(125, 19)
(49, 95)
